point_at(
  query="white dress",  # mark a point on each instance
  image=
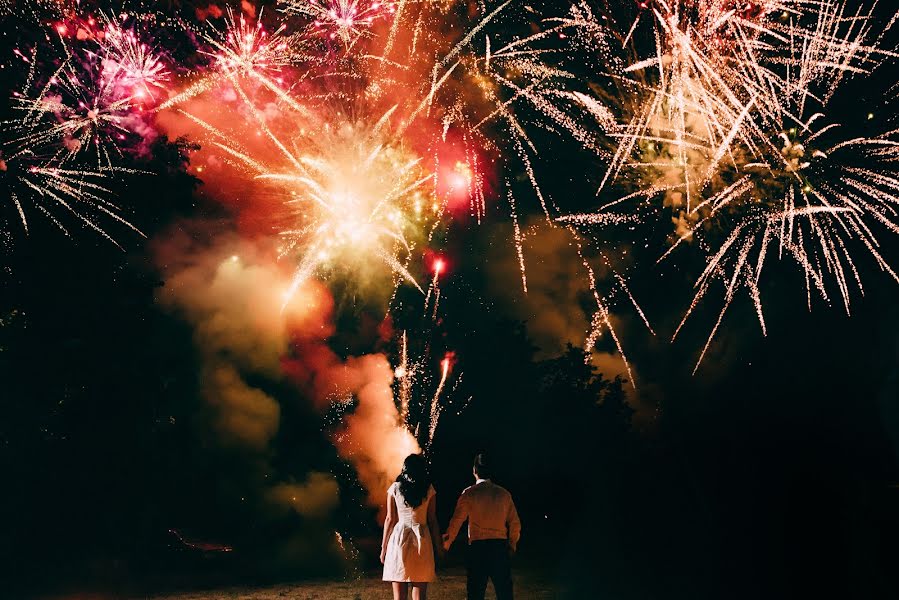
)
(410, 552)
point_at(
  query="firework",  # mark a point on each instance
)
(78, 112)
(366, 193)
(732, 135)
(405, 374)
(352, 194)
(433, 294)
(84, 194)
(816, 196)
(421, 409)
(92, 106)
(435, 401)
(130, 61)
(696, 92)
(244, 49)
(344, 20)
(430, 101)
(716, 79)
(72, 131)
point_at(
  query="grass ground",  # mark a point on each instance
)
(449, 586)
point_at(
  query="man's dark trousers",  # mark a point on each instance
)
(489, 559)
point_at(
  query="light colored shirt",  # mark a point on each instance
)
(490, 512)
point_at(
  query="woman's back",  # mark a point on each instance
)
(411, 515)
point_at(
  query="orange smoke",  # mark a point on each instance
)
(232, 292)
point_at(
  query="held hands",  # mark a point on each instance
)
(446, 542)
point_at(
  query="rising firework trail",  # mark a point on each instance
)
(436, 407)
(433, 293)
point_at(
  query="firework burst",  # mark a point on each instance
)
(343, 20)
(352, 193)
(78, 112)
(244, 50)
(52, 190)
(816, 195)
(734, 138)
(130, 62)
(64, 150)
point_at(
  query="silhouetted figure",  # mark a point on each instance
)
(493, 533)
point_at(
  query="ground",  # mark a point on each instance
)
(450, 586)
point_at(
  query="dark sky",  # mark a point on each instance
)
(772, 469)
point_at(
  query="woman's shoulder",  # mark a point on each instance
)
(394, 488)
(431, 491)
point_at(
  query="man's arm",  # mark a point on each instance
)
(455, 524)
(513, 524)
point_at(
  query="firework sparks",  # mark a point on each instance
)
(90, 107)
(362, 190)
(73, 130)
(722, 135)
(82, 116)
(84, 194)
(245, 49)
(130, 61)
(405, 374)
(438, 266)
(436, 407)
(344, 20)
(350, 191)
(439, 110)
(420, 407)
(811, 201)
(712, 117)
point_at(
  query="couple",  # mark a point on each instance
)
(411, 532)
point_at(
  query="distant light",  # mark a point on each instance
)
(870, 116)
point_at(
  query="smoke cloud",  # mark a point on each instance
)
(250, 335)
(372, 438)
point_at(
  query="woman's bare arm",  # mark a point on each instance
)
(389, 523)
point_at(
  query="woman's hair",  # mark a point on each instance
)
(414, 480)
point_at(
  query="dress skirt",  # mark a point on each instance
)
(410, 554)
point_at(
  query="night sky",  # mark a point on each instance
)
(770, 472)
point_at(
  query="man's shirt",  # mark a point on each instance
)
(490, 512)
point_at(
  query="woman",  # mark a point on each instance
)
(411, 531)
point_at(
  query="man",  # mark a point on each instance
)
(493, 533)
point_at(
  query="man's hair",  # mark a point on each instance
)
(482, 467)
